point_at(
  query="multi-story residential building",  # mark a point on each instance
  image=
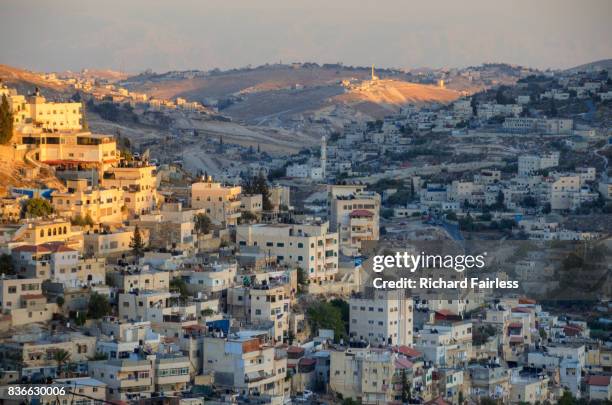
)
(251, 203)
(171, 374)
(125, 379)
(61, 148)
(529, 389)
(546, 126)
(310, 246)
(49, 115)
(139, 182)
(280, 197)
(100, 204)
(599, 387)
(355, 215)
(59, 263)
(270, 304)
(530, 164)
(130, 278)
(371, 375)
(22, 299)
(167, 230)
(212, 279)
(112, 243)
(489, 381)
(39, 231)
(562, 191)
(381, 317)
(221, 204)
(122, 340)
(446, 343)
(245, 365)
(143, 305)
(35, 354)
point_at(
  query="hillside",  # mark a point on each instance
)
(394, 94)
(15, 171)
(604, 64)
(25, 81)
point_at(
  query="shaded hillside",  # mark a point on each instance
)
(604, 64)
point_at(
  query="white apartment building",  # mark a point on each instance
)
(355, 215)
(381, 317)
(529, 164)
(245, 365)
(309, 246)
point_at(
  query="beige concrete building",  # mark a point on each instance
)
(370, 375)
(39, 231)
(112, 243)
(309, 246)
(271, 304)
(58, 263)
(251, 203)
(222, 204)
(126, 379)
(102, 205)
(139, 182)
(32, 355)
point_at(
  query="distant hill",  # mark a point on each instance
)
(604, 64)
(25, 81)
(272, 92)
(395, 93)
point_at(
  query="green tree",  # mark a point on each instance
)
(324, 315)
(258, 185)
(98, 306)
(137, 244)
(406, 394)
(6, 264)
(178, 285)
(61, 357)
(60, 301)
(246, 217)
(6, 121)
(202, 223)
(567, 399)
(38, 207)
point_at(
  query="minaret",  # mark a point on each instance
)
(373, 76)
(323, 155)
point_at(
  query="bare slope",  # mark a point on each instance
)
(395, 93)
(25, 81)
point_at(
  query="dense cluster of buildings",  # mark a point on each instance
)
(131, 287)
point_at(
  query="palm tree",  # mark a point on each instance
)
(61, 357)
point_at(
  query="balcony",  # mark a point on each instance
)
(136, 382)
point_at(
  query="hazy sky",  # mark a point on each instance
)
(201, 34)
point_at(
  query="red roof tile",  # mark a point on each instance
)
(599, 380)
(32, 249)
(361, 214)
(408, 351)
